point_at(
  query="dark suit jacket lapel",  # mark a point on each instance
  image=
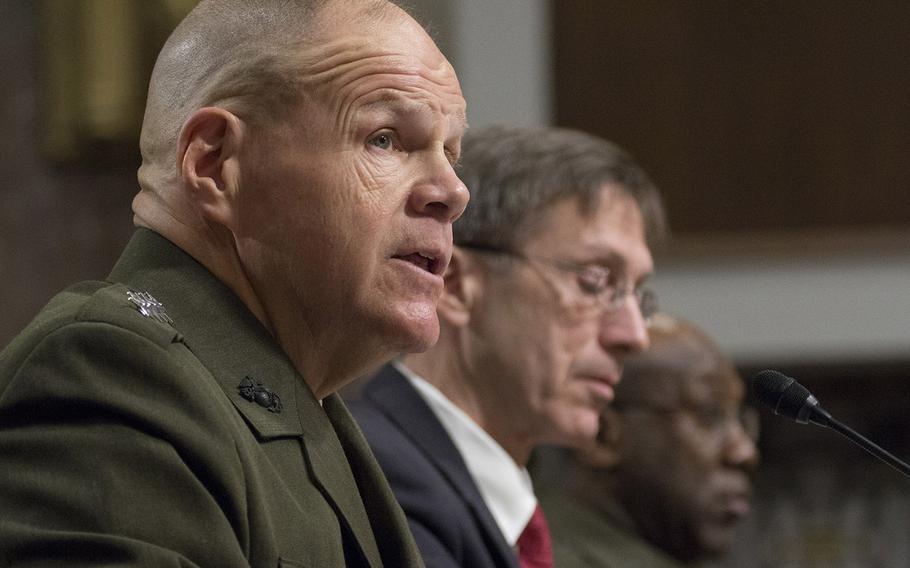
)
(210, 316)
(392, 392)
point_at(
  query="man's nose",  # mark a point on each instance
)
(625, 329)
(442, 194)
(740, 450)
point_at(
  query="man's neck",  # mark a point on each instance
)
(214, 249)
(446, 373)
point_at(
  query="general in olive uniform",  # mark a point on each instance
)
(129, 438)
(182, 412)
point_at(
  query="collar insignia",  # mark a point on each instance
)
(254, 391)
(148, 306)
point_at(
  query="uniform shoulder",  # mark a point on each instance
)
(98, 302)
(133, 310)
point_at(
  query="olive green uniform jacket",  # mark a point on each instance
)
(126, 441)
(585, 538)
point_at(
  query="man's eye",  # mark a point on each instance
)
(593, 281)
(382, 141)
(711, 417)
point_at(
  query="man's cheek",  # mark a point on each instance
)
(379, 189)
(576, 338)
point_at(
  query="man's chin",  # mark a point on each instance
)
(578, 430)
(417, 334)
(716, 540)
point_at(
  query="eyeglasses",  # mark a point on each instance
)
(710, 417)
(594, 281)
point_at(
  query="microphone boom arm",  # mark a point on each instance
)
(870, 446)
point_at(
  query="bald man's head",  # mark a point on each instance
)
(246, 56)
(278, 150)
(679, 352)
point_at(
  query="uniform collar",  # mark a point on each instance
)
(210, 317)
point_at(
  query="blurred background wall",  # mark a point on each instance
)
(71, 100)
(778, 132)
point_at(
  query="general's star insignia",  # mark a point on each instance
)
(148, 306)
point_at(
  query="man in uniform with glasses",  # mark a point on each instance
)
(544, 299)
(667, 481)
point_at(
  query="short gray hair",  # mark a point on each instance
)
(515, 173)
(243, 55)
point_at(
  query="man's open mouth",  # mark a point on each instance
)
(424, 261)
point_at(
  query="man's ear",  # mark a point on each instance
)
(606, 451)
(208, 155)
(462, 283)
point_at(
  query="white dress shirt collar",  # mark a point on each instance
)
(506, 488)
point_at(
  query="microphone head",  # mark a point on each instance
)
(784, 396)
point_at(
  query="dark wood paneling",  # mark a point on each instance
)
(59, 222)
(751, 116)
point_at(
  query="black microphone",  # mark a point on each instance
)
(786, 397)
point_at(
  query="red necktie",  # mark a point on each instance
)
(535, 550)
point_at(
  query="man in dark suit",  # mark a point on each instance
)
(297, 196)
(543, 301)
